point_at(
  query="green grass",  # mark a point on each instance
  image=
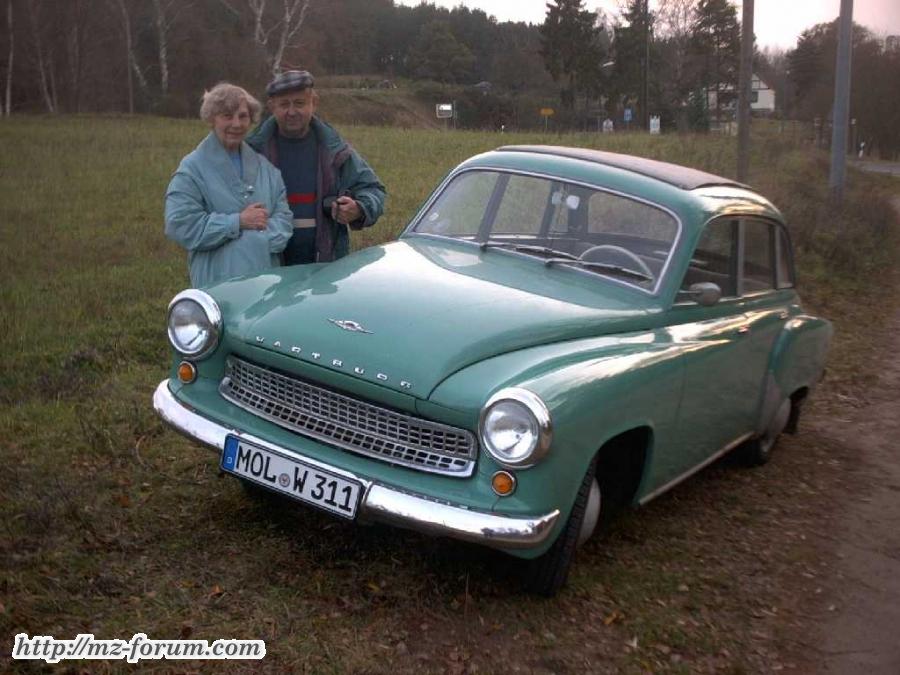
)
(112, 524)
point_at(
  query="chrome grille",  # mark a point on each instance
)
(347, 422)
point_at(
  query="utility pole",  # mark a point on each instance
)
(841, 112)
(745, 90)
(646, 87)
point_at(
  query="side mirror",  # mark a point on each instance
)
(704, 293)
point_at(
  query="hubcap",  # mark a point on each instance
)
(591, 514)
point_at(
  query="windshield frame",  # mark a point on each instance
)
(410, 230)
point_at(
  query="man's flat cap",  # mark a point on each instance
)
(289, 80)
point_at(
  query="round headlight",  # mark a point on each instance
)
(515, 428)
(194, 323)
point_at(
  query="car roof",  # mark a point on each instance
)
(676, 175)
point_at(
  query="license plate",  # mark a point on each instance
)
(291, 477)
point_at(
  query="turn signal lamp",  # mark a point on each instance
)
(187, 372)
(503, 483)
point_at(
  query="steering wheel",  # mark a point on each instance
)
(616, 255)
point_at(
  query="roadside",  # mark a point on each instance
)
(859, 610)
(889, 168)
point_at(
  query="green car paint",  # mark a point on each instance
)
(450, 323)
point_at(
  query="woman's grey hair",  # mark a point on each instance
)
(226, 98)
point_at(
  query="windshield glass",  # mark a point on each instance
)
(561, 223)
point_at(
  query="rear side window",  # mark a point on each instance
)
(785, 260)
(759, 256)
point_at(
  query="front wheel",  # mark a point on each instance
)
(546, 574)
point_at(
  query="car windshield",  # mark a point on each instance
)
(559, 222)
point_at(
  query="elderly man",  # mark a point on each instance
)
(329, 186)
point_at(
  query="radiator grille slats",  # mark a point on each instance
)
(348, 423)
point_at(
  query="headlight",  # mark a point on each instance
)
(515, 428)
(195, 323)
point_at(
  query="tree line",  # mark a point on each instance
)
(679, 61)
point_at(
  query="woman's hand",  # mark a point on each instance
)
(254, 217)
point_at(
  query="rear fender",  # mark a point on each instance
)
(798, 357)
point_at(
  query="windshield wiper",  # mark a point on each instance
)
(604, 267)
(528, 248)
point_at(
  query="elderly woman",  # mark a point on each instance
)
(226, 204)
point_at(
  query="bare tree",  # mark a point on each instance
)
(674, 18)
(284, 25)
(43, 59)
(76, 23)
(165, 17)
(131, 63)
(7, 110)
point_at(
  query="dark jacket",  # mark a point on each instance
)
(341, 170)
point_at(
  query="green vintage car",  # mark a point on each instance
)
(557, 334)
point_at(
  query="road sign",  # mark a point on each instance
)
(443, 110)
(628, 113)
(654, 124)
(547, 112)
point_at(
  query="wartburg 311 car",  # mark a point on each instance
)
(558, 333)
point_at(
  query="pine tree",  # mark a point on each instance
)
(573, 47)
(715, 50)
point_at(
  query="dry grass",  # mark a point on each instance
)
(111, 524)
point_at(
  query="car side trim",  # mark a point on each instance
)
(380, 503)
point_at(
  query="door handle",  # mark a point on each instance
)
(744, 330)
(783, 314)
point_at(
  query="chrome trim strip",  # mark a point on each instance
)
(536, 174)
(381, 503)
(690, 472)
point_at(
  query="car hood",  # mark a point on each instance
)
(408, 314)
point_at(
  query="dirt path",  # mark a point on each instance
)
(860, 632)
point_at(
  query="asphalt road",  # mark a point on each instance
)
(892, 168)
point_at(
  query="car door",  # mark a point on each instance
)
(712, 413)
(766, 283)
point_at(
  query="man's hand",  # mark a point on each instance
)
(345, 210)
(254, 217)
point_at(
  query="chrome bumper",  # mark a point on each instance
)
(379, 502)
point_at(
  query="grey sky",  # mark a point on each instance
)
(777, 23)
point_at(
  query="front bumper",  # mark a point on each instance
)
(380, 503)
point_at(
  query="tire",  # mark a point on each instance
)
(546, 574)
(757, 451)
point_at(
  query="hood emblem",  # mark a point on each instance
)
(352, 326)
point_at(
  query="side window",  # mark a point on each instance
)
(759, 256)
(785, 260)
(715, 258)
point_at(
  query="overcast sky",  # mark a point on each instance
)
(777, 23)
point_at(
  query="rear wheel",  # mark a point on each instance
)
(757, 451)
(546, 574)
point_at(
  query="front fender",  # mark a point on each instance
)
(595, 389)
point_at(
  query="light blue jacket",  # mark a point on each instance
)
(203, 205)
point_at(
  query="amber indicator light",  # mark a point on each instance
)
(503, 483)
(187, 373)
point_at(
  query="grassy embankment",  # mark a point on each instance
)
(113, 525)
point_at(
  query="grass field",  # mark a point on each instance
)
(112, 524)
